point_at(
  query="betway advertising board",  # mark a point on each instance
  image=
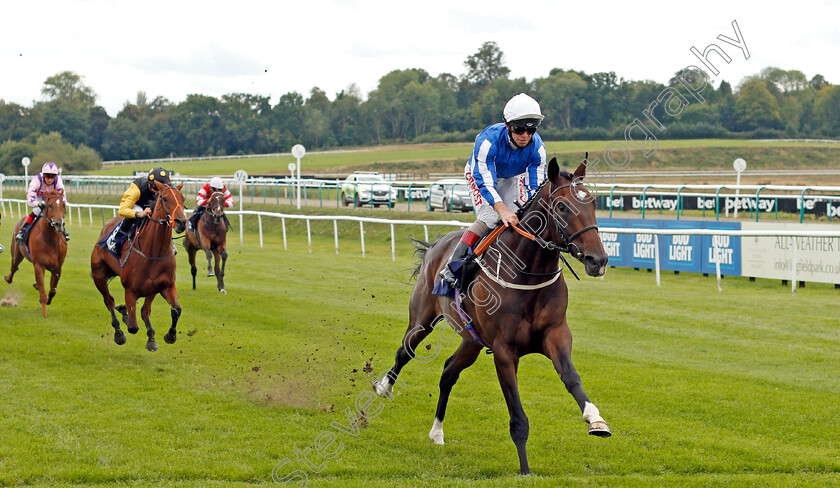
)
(679, 252)
(745, 203)
(817, 258)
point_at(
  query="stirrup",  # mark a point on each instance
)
(448, 276)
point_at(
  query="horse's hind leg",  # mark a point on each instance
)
(171, 296)
(17, 257)
(191, 251)
(463, 358)
(423, 315)
(558, 348)
(145, 312)
(102, 285)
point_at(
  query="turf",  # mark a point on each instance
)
(701, 388)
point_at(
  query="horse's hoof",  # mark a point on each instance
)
(436, 437)
(382, 388)
(8, 278)
(132, 330)
(119, 337)
(170, 337)
(35, 285)
(151, 346)
(599, 428)
(223, 291)
(210, 274)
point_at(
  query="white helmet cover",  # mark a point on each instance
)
(522, 107)
(216, 182)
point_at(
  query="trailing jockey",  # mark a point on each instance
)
(47, 180)
(203, 198)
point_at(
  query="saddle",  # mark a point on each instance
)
(114, 240)
(465, 269)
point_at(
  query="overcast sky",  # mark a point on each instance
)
(174, 48)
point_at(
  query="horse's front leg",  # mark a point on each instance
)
(220, 273)
(54, 277)
(209, 254)
(39, 285)
(17, 257)
(129, 312)
(171, 296)
(558, 348)
(507, 364)
(101, 282)
(145, 313)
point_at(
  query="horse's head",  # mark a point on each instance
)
(571, 211)
(169, 207)
(216, 205)
(54, 209)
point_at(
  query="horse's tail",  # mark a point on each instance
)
(420, 248)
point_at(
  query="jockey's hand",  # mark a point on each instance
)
(42, 205)
(508, 218)
(143, 213)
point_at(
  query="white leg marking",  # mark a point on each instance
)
(591, 414)
(383, 387)
(436, 434)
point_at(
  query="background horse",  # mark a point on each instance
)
(212, 239)
(148, 269)
(47, 246)
(516, 304)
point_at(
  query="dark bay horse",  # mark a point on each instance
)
(212, 239)
(148, 269)
(516, 305)
(47, 246)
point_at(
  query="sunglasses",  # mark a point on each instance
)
(522, 130)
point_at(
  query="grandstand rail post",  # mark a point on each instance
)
(793, 267)
(802, 204)
(717, 265)
(90, 214)
(717, 202)
(611, 199)
(335, 232)
(283, 224)
(241, 237)
(757, 193)
(644, 201)
(656, 257)
(393, 249)
(362, 236)
(259, 223)
(679, 201)
(408, 196)
(426, 232)
(309, 236)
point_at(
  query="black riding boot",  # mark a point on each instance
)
(460, 252)
(24, 231)
(66, 236)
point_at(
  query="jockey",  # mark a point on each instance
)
(47, 180)
(506, 166)
(203, 198)
(136, 203)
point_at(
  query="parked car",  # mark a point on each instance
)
(452, 191)
(366, 188)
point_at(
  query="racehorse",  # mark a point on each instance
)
(211, 238)
(146, 267)
(47, 247)
(516, 304)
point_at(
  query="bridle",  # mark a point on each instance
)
(170, 219)
(216, 210)
(56, 225)
(567, 246)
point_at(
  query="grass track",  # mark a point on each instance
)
(701, 388)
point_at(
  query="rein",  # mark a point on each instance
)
(566, 247)
(168, 221)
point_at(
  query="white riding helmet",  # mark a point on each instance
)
(216, 182)
(523, 107)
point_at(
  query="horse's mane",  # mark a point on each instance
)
(524, 208)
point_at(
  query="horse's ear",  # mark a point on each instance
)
(553, 169)
(580, 172)
(180, 185)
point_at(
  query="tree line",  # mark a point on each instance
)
(408, 105)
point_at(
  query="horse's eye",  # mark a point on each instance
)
(561, 207)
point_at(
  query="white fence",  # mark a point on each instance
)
(20, 206)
